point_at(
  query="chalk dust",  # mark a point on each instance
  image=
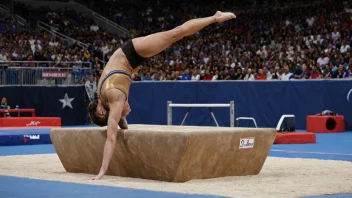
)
(280, 177)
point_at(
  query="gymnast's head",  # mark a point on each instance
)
(98, 114)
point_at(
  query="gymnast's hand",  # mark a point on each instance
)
(97, 177)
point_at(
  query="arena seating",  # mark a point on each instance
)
(26, 46)
(298, 48)
(286, 45)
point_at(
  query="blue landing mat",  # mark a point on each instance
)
(331, 196)
(30, 136)
(328, 147)
(15, 187)
(27, 150)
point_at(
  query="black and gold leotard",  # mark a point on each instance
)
(121, 79)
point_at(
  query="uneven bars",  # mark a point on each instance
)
(199, 105)
(231, 105)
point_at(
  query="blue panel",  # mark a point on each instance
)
(31, 139)
(46, 102)
(177, 93)
(30, 136)
(27, 150)
(9, 131)
(148, 101)
(33, 188)
(53, 107)
(265, 101)
(345, 195)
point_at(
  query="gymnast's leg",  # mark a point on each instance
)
(153, 44)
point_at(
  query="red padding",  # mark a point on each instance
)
(30, 122)
(317, 124)
(295, 138)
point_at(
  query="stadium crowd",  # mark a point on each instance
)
(296, 42)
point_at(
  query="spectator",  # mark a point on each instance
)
(287, 75)
(335, 35)
(207, 75)
(4, 105)
(147, 77)
(195, 75)
(91, 87)
(273, 75)
(186, 75)
(221, 76)
(267, 73)
(323, 59)
(239, 74)
(216, 75)
(249, 75)
(339, 73)
(344, 47)
(305, 73)
(325, 73)
(315, 73)
(297, 72)
(3, 56)
(261, 75)
(348, 73)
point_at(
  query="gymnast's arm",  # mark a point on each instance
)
(116, 107)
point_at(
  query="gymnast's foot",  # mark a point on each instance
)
(223, 16)
(123, 123)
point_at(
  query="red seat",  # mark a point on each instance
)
(325, 124)
(30, 122)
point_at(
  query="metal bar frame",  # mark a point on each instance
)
(231, 105)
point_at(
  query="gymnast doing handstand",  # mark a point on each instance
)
(112, 106)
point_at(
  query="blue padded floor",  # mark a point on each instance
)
(332, 196)
(328, 147)
(29, 136)
(27, 150)
(14, 187)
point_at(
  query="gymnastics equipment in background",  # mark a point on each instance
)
(166, 153)
(231, 105)
(48, 102)
(286, 132)
(246, 118)
(326, 122)
(266, 101)
(30, 121)
(286, 123)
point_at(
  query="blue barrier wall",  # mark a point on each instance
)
(265, 101)
(46, 102)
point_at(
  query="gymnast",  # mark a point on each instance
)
(112, 106)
